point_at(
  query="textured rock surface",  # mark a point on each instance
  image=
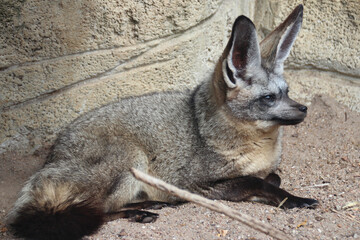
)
(329, 39)
(60, 59)
(305, 84)
(50, 45)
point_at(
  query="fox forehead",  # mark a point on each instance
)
(264, 83)
(277, 83)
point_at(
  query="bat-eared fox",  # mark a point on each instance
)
(221, 140)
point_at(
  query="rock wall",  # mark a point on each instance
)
(60, 59)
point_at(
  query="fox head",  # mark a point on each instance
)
(251, 78)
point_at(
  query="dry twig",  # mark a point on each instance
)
(215, 206)
(350, 217)
(317, 185)
(312, 186)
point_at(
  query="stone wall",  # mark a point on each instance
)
(60, 59)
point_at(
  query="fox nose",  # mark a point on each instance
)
(303, 109)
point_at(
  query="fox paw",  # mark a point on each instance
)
(298, 202)
(145, 217)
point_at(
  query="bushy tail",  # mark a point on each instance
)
(54, 212)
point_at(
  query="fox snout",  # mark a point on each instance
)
(289, 112)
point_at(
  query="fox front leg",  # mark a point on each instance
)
(249, 188)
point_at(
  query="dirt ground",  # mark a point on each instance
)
(321, 160)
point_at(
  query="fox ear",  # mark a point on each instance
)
(244, 53)
(275, 48)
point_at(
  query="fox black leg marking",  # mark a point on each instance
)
(155, 205)
(257, 189)
(274, 179)
(133, 212)
(134, 215)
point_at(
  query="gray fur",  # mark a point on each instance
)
(223, 129)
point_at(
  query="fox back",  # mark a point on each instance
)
(221, 140)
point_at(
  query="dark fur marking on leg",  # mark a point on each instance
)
(257, 189)
(114, 185)
(274, 179)
(148, 205)
(134, 215)
(141, 196)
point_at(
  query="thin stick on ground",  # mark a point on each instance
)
(215, 206)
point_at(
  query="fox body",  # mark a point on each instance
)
(221, 140)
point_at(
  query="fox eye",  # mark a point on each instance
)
(269, 98)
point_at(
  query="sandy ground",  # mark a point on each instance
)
(321, 160)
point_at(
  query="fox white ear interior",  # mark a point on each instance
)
(244, 53)
(276, 47)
